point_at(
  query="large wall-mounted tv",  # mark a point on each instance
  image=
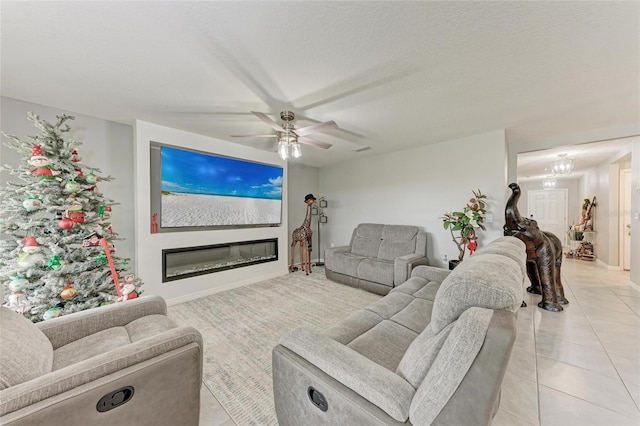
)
(194, 189)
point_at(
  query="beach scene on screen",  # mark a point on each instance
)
(201, 189)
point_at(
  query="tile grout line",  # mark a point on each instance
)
(601, 283)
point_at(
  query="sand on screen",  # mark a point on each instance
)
(180, 210)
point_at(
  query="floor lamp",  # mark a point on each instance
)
(322, 218)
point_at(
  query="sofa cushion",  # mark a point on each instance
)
(346, 263)
(384, 344)
(377, 271)
(489, 280)
(366, 239)
(353, 326)
(110, 339)
(19, 362)
(90, 346)
(421, 354)
(397, 240)
(507, 246)
(451, 365)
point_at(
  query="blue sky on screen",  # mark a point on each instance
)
(196, 173)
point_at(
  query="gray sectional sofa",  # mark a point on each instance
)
(378, 258)
(433, 351)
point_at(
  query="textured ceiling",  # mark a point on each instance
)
(393, 75)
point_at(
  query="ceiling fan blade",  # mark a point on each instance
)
(253, 136)
(264, 117)
(313, 142)
(320, 127)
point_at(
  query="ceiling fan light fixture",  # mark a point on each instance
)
(295, 150)
(283, 149)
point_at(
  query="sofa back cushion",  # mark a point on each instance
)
(25, 352)
(397, 240)
(492, 279)
(366, 239)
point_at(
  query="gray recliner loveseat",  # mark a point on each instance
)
(433, 351)
(378, 258)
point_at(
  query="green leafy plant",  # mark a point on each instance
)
(463, 224)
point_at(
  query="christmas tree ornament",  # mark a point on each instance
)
(91, 240)
(128, 292)
(75, 212)
(54, 263)
(66, 223)
(101, 259)
(92, 178)
(32, 203)
(69, 292)
(75, 157)
(72, 186)
(41, 165)
(17, 286)
(30, 252)
(18, 283)
(106, 214)
(52, 312)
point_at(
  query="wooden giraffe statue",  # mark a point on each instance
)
(303, 236)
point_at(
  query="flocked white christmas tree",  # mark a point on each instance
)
(56, 249)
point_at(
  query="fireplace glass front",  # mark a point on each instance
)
(187, 262)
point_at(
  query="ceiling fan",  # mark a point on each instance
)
(289, 138)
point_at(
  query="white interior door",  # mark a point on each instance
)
(549, 208)
(625, 218)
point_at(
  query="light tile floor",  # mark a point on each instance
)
(580, 366)
(577, 367)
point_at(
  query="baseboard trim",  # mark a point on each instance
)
(606, 266)
(224, 287)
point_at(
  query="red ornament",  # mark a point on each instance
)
(77, 216)
(66, 223)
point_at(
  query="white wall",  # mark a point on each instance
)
(416, 187)
(635, 212)
(149, 246)
(106, 145)
(303, 180)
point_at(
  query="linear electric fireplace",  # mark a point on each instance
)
(187, 262)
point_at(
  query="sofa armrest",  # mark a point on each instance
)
(376, 384)
(68, 328)
(403, 265)
(430, 273)
(95, 368)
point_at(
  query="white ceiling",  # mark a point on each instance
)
(537, 165)
(393, 75)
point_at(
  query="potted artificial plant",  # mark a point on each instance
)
(463, 225)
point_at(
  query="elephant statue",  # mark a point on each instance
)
(544, 254)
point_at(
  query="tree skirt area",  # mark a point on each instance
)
(240, 327)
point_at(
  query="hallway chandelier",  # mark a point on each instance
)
(549, 183)
(562, 166)
(288, 145)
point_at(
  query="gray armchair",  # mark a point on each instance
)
(125, 363)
